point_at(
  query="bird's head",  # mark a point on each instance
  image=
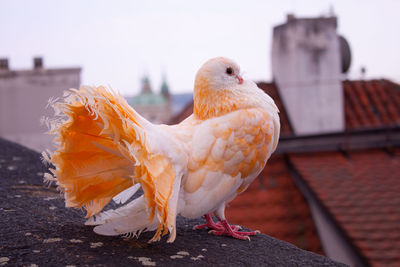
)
(219, 89)
(218, 74)
(217, 86)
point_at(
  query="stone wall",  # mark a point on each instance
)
(23, 99)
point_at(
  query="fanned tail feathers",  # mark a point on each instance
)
(102, 150)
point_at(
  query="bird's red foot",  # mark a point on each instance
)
(224, 228)
(232, 230)
(209, 224)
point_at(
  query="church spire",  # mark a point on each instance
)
(146, 87)
(164, 87)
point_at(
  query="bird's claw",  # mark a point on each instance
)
(237, 227)
(234, 234)
(224, 228)
(199, 226)
(212, 226)
(233, 231)
(209, 224)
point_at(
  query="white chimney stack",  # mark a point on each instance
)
(306, 66)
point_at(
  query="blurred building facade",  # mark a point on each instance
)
(157, 108)
(332, 188)
(24, 95)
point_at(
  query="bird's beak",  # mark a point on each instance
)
(240, 79)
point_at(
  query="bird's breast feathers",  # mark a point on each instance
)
(226, 154)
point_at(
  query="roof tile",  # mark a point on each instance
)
(374, 103)
(362, 193)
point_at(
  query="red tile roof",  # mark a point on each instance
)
(274, 205)
(362, 192)
(371, 104)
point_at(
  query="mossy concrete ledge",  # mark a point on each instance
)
(36, 228)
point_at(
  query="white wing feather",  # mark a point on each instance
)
(122, 197)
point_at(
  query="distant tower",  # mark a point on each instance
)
(146, 86)
(165, 88)
(307, 67)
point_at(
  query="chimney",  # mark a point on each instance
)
(37, 63)
(290, 17)
(3, 64)
(306, 66)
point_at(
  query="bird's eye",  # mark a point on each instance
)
(229, 71)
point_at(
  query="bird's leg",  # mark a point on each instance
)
(209, 224)
(232, 230)
(227, 229)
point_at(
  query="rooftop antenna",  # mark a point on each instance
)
(164, 85)
(363, 72)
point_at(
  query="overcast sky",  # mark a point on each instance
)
(117, 42)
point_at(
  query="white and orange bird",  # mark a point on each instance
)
(105, 150)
